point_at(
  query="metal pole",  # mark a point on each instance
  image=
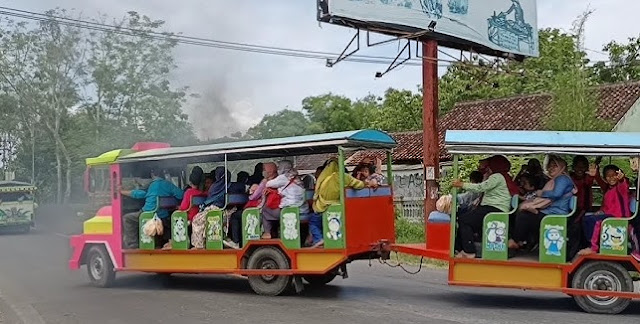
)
(430, 143)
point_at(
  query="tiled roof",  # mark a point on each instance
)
(513, 113)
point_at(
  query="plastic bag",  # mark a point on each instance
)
(153, 227)
(149, 228)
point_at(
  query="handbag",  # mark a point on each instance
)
(273, 197)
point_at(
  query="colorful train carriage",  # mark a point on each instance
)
(364, 218)
(549, 268)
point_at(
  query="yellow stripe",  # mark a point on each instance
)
(508, 275)
(192, 262)
(317, 261)
(98, 225)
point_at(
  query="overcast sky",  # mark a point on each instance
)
(237, 88)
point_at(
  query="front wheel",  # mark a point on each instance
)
(100, 268)
(605, 276)
(269, 258)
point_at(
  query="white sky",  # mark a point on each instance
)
(244, 86)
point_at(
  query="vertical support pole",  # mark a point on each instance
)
(454, 206)
(430, 143)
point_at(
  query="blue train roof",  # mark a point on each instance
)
(535, 142)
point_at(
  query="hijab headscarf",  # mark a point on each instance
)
(501, 165)
(286, 167)
(328, 186)
(219, 186)
(197, 176)
(256, 177)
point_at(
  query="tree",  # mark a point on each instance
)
(574, 103)
(624, 62)
(281, 124)
(481, 79)
(332, 113)
(401, 111)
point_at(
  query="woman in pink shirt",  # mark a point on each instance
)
(615, 203)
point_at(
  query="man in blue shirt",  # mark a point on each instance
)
(159, 187)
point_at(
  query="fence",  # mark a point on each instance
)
(411, 209)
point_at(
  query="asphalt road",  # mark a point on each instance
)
(36, 287)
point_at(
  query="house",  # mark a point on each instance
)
(618, 103)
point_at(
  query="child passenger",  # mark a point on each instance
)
(615, 203)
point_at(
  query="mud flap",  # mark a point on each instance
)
(298, 286)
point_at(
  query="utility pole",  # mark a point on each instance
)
(430, 142)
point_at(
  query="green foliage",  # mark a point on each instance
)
(623, 64)
(401, 111)
(281, 124)
(75, 94)
(408, 232)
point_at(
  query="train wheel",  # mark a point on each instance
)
(605, 276)
(269, 258)
(100, 267)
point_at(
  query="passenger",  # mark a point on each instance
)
(195, 180)
(316, 175)
(216, 199)
(465, 201)
(208, 182)
(327, 192)
(254, 199)
(257, 176)
(553, 199)
(635, 237)
(583, 179)
(367, 172)
(289, 187)
(234, 221)
(534, 170)
(497, 190)
(615, 203)
(158, 187)
(243, 178)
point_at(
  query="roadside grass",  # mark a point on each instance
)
(409, 232)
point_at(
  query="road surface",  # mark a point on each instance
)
(36, 287)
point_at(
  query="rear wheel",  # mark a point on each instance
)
(319, 280)
(269, 258)
(99, 267)
(605, 276)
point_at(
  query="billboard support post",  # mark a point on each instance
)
(430, 143)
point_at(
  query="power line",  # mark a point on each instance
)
(197, 41)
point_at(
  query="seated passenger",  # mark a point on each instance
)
(583, 179)
(257, 176)
(466, 201)
(288, 186)
(367, 172)
(615, 203)
(216, 199)
(533, 169)
(195, 180)
(327, 193)
(255, 199)
(234, 222)
(158, 187)
(553, 199)
(497, 190)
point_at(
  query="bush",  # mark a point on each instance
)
(408, 232)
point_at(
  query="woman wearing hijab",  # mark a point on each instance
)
(553, 199)
(257, 175)
(326, 194)
(289, 186)
(216, 199)
(496, 191)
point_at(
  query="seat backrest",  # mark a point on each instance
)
(515, 200)
(573, 205)
(237, 199)
(308, 194)
(633, 206)
(197, 200)
(167, 202)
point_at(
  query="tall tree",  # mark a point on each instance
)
(623, 65)
(281, 124)
(401, 111)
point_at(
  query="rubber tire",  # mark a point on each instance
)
(262, 286)
(319, 280)
(109, 273)
(626, 284)
(25, 229)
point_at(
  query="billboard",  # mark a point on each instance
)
(494, 27)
